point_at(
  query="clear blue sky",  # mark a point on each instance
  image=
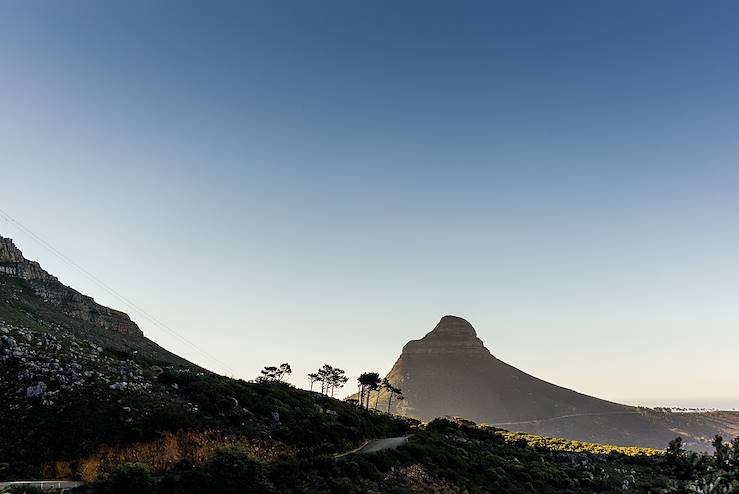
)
(320, 181)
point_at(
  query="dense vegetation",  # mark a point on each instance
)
(94, 397)
(451, 456)
(446, 455)
(559, 444)
(443, 456)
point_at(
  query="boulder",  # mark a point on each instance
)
(36, 391)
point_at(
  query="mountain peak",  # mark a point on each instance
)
(453, 326)
(13, 263)
(450, 372)
(452, 335)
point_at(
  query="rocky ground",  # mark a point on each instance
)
(46, 368)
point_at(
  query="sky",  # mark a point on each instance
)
(319, 182)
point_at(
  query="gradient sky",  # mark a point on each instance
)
(319, 182)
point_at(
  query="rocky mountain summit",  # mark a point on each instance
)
(452, 336)
(450, 372)
(50, 290)
(33, 298)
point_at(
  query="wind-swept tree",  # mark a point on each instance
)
(272, 373)
(267, 374)
(313, 377)
(283, 371)
(324, 374)
(399, 398)
(337, 379)
(368, 381)
(391, 391)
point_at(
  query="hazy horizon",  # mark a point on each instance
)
(320, 184)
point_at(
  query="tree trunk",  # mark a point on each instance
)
(389, 400)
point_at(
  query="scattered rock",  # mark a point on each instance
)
(36, 391)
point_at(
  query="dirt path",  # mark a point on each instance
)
(550, 419)
(376, 445)
(381, 444)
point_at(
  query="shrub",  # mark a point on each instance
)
(131, 478)
(233, 471)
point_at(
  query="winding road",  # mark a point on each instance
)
(44, 485)
(376, 445)
(381, 444)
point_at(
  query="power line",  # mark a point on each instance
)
(110, 290)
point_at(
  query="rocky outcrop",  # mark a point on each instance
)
(72, 303)
(452, 336)
(13, 263)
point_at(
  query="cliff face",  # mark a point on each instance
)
(452, 336)
(13, 263)
(69, 301)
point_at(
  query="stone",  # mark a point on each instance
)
(8, 342)
(36, 391)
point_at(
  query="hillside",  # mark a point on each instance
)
(83, 390)
(450, 372)
(35, 299)
(85, 396)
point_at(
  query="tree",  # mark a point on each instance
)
(267, 374)
(337, 379)
(131, 478)
(391, 391)
(272, 373)
(313, 377)
(369, 381)
(399, 398)
(675, 449)
(686, 466)
(734, 457)
(324, 374)
(233, 471)
(721, 452)
(283, 371)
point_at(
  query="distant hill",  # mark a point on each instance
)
(450, 372)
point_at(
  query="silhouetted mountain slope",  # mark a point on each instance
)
(450, 372)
